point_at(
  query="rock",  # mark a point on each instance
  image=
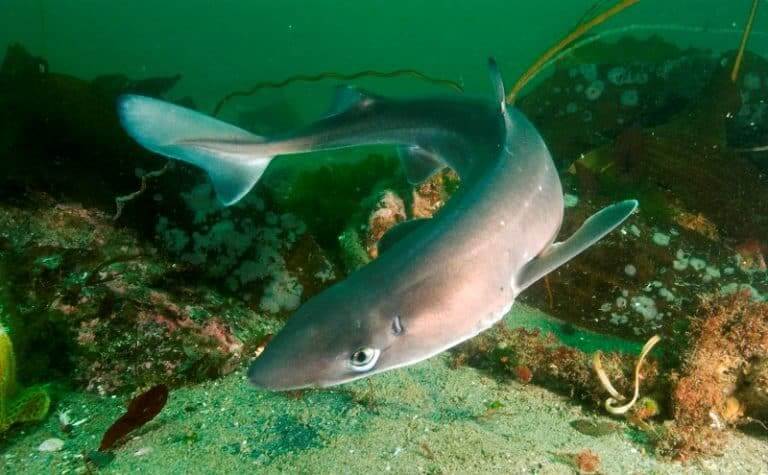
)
(51, 445)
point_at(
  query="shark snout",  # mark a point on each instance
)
(265, 375)
(274, 371)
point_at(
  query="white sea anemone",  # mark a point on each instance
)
(630, 98)
(595, 90)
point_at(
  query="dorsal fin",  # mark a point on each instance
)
(419, 164)
(346, 97)
(498, 84)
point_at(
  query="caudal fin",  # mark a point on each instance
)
(192, 137)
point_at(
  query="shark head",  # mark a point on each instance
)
(332, 339)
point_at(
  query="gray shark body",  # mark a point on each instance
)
(437, 282)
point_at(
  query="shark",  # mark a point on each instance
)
(437, 282)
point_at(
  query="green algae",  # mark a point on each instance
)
(327, 194)
(353, 252)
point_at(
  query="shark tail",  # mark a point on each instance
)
(195, 138)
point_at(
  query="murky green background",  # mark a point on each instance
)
(228, 44)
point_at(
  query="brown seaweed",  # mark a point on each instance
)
(142, 409)
(338, 76)
(719, 385)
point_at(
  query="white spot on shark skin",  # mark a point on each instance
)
(491, 318)
(541, 188)
(502, 223)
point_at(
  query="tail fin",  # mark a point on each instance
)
(170, 130)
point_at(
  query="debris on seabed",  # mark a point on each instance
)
(51, 445)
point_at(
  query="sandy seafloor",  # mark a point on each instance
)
(422, 419)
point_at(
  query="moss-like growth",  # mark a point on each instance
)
(353, 251)
(28, 405)
(328, 197)
(717, 387)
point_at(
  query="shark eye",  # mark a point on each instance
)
(364, 359)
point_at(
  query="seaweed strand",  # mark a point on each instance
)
(643, 27)
(744, 39)
(762, 148)
(120, 201)
(610, 403)
(339, 76)
(574, 35)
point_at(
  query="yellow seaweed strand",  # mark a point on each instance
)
(574, 35)
(744, 39)
(7, 376)
(610, 403)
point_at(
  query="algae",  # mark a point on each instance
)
(18, 405)
(328, 195)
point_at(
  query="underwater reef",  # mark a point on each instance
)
(141, 278)
(86, 301)
(61, 133)
(702, 220)
(690, 400)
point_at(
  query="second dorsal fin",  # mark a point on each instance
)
(347, 97)
(419, 164)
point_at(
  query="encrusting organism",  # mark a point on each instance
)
(723, 380)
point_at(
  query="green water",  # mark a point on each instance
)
(235, 43)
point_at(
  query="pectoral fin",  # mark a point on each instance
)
(398, 232)
(593, 229)
(419, 164)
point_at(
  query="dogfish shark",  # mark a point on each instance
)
(437, 282)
